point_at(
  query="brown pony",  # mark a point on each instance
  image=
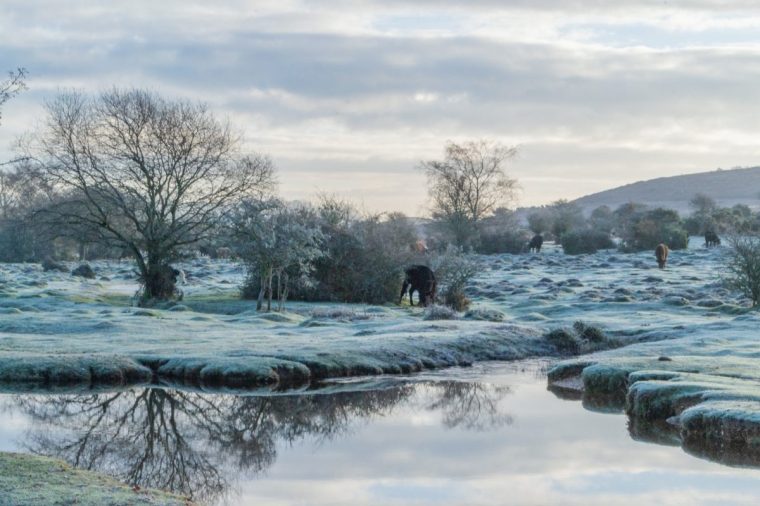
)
(661, 252)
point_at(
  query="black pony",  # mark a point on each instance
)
(420, 279)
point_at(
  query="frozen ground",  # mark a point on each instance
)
(57, 330)
(33, 480)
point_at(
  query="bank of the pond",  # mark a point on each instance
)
(28, 480)
(702, 390)
(283, 363)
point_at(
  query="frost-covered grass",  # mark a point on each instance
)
(63, 331)
(27, 480)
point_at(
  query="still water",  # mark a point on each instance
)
(490, 434)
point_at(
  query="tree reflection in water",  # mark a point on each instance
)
(197, 444)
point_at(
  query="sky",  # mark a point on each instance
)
(348, 96)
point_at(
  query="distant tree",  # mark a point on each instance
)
(703, 204)
(625, 217)
(704, 207)
(602, 219)
(540, 221)
(144, 173)
(22, 238)
(566, 216)
(468, 184)
(12, 86)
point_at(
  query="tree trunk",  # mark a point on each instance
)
(158, 278)
(260, 300)
(284, 293)
(270, 275)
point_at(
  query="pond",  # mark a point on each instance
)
(488, 434)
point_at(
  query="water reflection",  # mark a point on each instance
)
(742, 451)
(199, 445)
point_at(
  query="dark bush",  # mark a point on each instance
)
(565, 341)
(453, 271)
(578, 242)
(582, 338)
(364, 257)
(505, 242)
(647, 229)
(51, 265)
(588, 332)
(84, 271)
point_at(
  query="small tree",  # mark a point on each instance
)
(144, 174)
(276, 241)
(540, 221)
(744, 266)
(602, 219)
(453, 271)
(566, 216)
(703, 209)
(468, 184)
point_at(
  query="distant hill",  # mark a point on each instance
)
(727, 187)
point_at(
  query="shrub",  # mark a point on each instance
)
(453, 271)
(744, 267)
(585, 241)
(505, 242)
(646, 229)
(582, 338)
(363, 257)
(564, 341)
(588, 332)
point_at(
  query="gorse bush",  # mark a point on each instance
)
(453, 271)
(582, 338)
(744, 267)
(644, 230)
(513, 241)
(577, 242)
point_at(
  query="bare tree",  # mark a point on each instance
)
(12, 86)
(704, 208)
(469, 184)
(145, 174)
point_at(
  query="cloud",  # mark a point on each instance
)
(598, 94)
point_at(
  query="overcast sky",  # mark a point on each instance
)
(348, 95)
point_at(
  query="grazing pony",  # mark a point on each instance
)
(711, 239)
(536, 243)
(420, 279)
(661, 253)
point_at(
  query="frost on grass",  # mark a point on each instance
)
(65, 331)
(27, 480)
